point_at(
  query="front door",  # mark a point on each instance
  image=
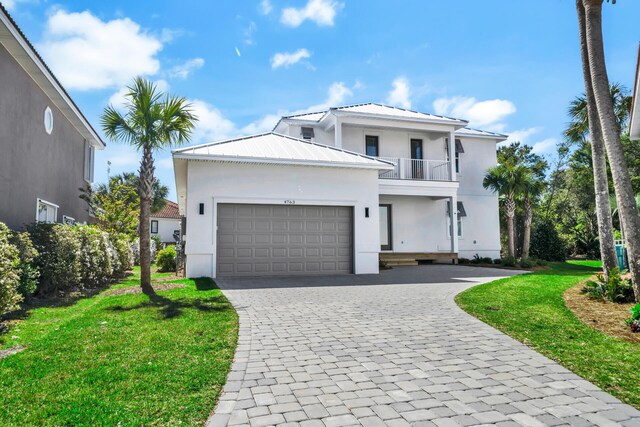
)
(416, 159)
(385, 227)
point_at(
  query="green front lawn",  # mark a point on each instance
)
(120, 360)
(530, 308)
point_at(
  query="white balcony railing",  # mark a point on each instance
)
(417, 169)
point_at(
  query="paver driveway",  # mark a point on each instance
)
(394, 350)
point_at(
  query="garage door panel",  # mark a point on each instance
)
(280, 240)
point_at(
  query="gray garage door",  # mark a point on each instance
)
(283, 240)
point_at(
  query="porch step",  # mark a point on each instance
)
(401, 262)
(399, 258)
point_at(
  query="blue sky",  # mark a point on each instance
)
(507, 66)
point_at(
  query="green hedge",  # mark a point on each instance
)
(53, 258)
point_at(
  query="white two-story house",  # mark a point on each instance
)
(337, 191)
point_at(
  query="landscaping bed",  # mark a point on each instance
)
(610, 318)
(531, 308)
(124, 359)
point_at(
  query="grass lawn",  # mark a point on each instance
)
(120, 360)
(530, 308)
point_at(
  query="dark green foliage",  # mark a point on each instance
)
(634, 321)
(526, 263)
(166, 259)
(464, 261)
(497, 261)
(9, 272)
(546, 244)
(509, 261)
(614, 289)
(29, 273)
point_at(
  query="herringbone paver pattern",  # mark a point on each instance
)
(392, 355)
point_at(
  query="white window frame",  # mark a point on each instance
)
(460, 227)
(69, 220)
(457, 159)
(47, 205)
(48, 120)
(89, 161)
(151, 226)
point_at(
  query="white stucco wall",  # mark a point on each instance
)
(166, 227)
(212, 183)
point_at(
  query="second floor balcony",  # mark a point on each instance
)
(417, 169)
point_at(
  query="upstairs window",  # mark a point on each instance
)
(89, 155)
(307, 133)
(372, 145)
(459, 150)
(46, 211)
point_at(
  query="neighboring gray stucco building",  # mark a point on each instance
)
(46, 144)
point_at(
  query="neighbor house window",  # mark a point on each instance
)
(46, 211)
(459, 150)
(372, 145)
(461, 214)
(154, 227)
(68, 220)
(89, 154)
(307, 133)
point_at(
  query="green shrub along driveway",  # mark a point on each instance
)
(531, 309)
(120, 359)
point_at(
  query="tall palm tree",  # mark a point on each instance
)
(628, 212)
(508, 181)
(532, 188)
(585, 121)
(152, 121)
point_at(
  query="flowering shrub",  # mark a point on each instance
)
(29, 273)
(9, 272)
(95, 257)
(135, 248)
(166, 260)
(58, 247)
(124, 253)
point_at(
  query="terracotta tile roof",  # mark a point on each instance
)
(170, 210)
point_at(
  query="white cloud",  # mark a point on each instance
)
(248, 33)
(322, 12)
(238, 51)
(211, 125)
(265, 7)
(545, 146)
(183, 70)
(488, 114)
(118, 99)
(88, 53)
(400, 95)
(9, 4)
(522, 135)
(286, 59)
(337, 94)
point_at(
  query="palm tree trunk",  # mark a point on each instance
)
(528, 219)
(604, 104)
(145, 192)
(598, 155)
(510, 212)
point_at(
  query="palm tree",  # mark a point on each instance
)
(508, 181)
(532, 188)
(584, 124)
(152, 121)
(591, 12)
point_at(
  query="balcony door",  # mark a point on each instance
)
(417, 171)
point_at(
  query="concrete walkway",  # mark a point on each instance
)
(393, 350)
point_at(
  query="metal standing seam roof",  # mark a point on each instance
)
(481, 133)
(373, 109)
(277, 148)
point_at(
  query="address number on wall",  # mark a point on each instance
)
(289, 202)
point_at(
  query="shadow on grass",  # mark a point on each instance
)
(60, 301)
(169, 308)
